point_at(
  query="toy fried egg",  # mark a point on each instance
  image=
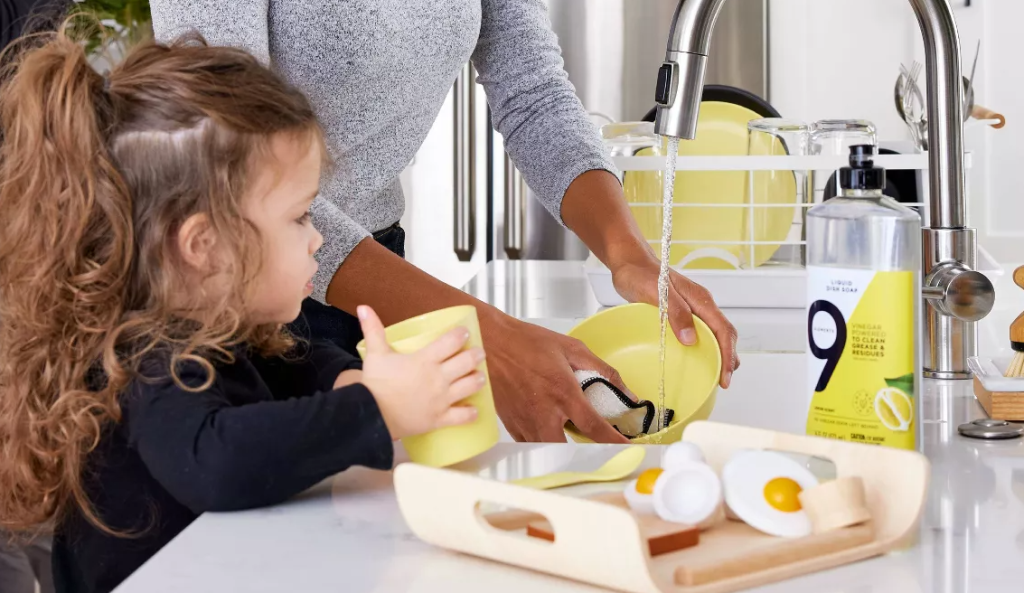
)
(688, 493)
(640, 492)
(680, 453)
(762, 489)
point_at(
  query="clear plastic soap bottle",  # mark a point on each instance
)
(863, 283)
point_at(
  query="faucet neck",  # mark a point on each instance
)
(681, 80)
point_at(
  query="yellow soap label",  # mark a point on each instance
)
(860, 330)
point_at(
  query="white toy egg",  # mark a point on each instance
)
(762, 489)
(640, 492)
(688, 493)
(680, 453)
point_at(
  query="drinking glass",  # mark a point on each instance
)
(642, 189)
(776, 199)
(834, 137)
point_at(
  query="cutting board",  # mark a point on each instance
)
(662, 536)
(603, 544)
(728, 549)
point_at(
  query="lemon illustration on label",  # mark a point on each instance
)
(894, 409)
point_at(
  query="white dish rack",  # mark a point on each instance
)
(779, 283)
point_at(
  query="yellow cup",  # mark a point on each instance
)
(450, 445)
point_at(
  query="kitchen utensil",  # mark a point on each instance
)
(601, 544)
(913, 106)
(628, 338)
(721, 131)
(900, 96)
(620, 466)
(1016, 368)
(969, 88)
(662, 536)
(984, 113)
(836, 504)
(446, 446)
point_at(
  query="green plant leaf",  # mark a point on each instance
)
(123, 22)
(904, 383)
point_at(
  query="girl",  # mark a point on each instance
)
(155, 238)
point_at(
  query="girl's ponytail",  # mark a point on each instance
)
(66, 250)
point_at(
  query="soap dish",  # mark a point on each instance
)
(1002, 397)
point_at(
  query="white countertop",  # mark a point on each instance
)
(347, 534)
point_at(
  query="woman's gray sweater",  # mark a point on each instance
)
(377, 73)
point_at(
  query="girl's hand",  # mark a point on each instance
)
(419, 393)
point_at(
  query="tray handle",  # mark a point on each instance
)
(594, 543)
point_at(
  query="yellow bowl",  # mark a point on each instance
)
(628, 338)
(446, 446)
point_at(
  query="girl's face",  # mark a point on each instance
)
(279, 208)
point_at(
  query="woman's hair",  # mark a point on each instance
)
(97, 174)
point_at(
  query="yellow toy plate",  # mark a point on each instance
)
(628, 338)
(721, 131)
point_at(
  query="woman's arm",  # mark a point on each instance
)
(530, 368)
(595, 209)
(546, 130)
(552, 140)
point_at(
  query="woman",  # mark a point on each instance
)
(377, 72)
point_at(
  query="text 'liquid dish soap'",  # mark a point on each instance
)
(863, 262)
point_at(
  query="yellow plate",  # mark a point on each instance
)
(628, 338)
(721, 131)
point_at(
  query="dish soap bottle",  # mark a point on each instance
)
(863, 282)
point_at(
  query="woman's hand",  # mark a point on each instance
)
(535, 390)
(638, 283)
(596, 210)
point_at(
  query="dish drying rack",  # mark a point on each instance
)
(780, 282)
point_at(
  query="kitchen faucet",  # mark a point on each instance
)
(955, 295)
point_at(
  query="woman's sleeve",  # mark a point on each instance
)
(233, 23)
(547, 132)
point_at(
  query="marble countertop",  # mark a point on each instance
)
(347, 534)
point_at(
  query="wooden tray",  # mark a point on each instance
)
(602, 544)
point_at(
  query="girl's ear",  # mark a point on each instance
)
(197, 243)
